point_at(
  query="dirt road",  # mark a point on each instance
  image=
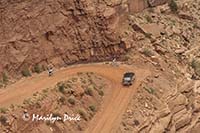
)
(115, 101)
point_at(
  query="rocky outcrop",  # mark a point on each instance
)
(153, 3)
(61, 31)
(179, 112)
(139, 5)
(168, 100)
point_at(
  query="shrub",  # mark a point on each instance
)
(3, 110)
(71, 101)
(4, 78)
(45, 90)
(147, 52)
(37, 69)
(150, 90)
(136, 122)
(173, 6)
(101, 93)
(151, 10)
(68, 86)
(126, 57)
(196, 26)
(38, 105)
(48, 123)
(83, 114)
(92, 108)
(12, 106)
(89, 91)
(61, 87)
(27, 101)
(79, 73)
(148, 35)
(195, 64)
(3, 120)
(149, 19)
(55, 114)
(35, 94)
(74, 79)
(62, 100)
(83, 81)
(25, 72)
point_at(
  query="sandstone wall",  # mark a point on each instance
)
(61, 31)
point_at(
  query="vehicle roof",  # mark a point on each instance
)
(129, 74)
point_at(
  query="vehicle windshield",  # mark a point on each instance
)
(127, 79)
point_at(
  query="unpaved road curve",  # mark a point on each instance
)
(114, 104)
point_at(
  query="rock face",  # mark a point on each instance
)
(61, 31)
(153, 3)
(168, 100)
(139, 5)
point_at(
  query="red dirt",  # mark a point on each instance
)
(115, 101)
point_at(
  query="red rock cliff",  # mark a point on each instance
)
(61, 31)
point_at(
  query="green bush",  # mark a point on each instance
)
(61, 87)
(4, 78)
(149, 19)
(196, 26)
(150, 90)
(25, 72)
(38, 105)
(71, 101)
(45, 90)
(83, 114)
(92, 108)
(147, 52)
(101, 93)
(48, 123)
(62, 100)
(136, 122)
(148, 35)
(37, 68)
(151, 10)
(74, 79)
(195, 64)
(3, 110)
(3, 120)
(89, 92)
(27, 101)
(79, 73)
(173, 6)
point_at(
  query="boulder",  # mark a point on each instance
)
(180, 51)
(183, 121)
(178, 103)
(196, 105)
(152, 29)
(154, 3)
(109, 12)
(184, 15)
